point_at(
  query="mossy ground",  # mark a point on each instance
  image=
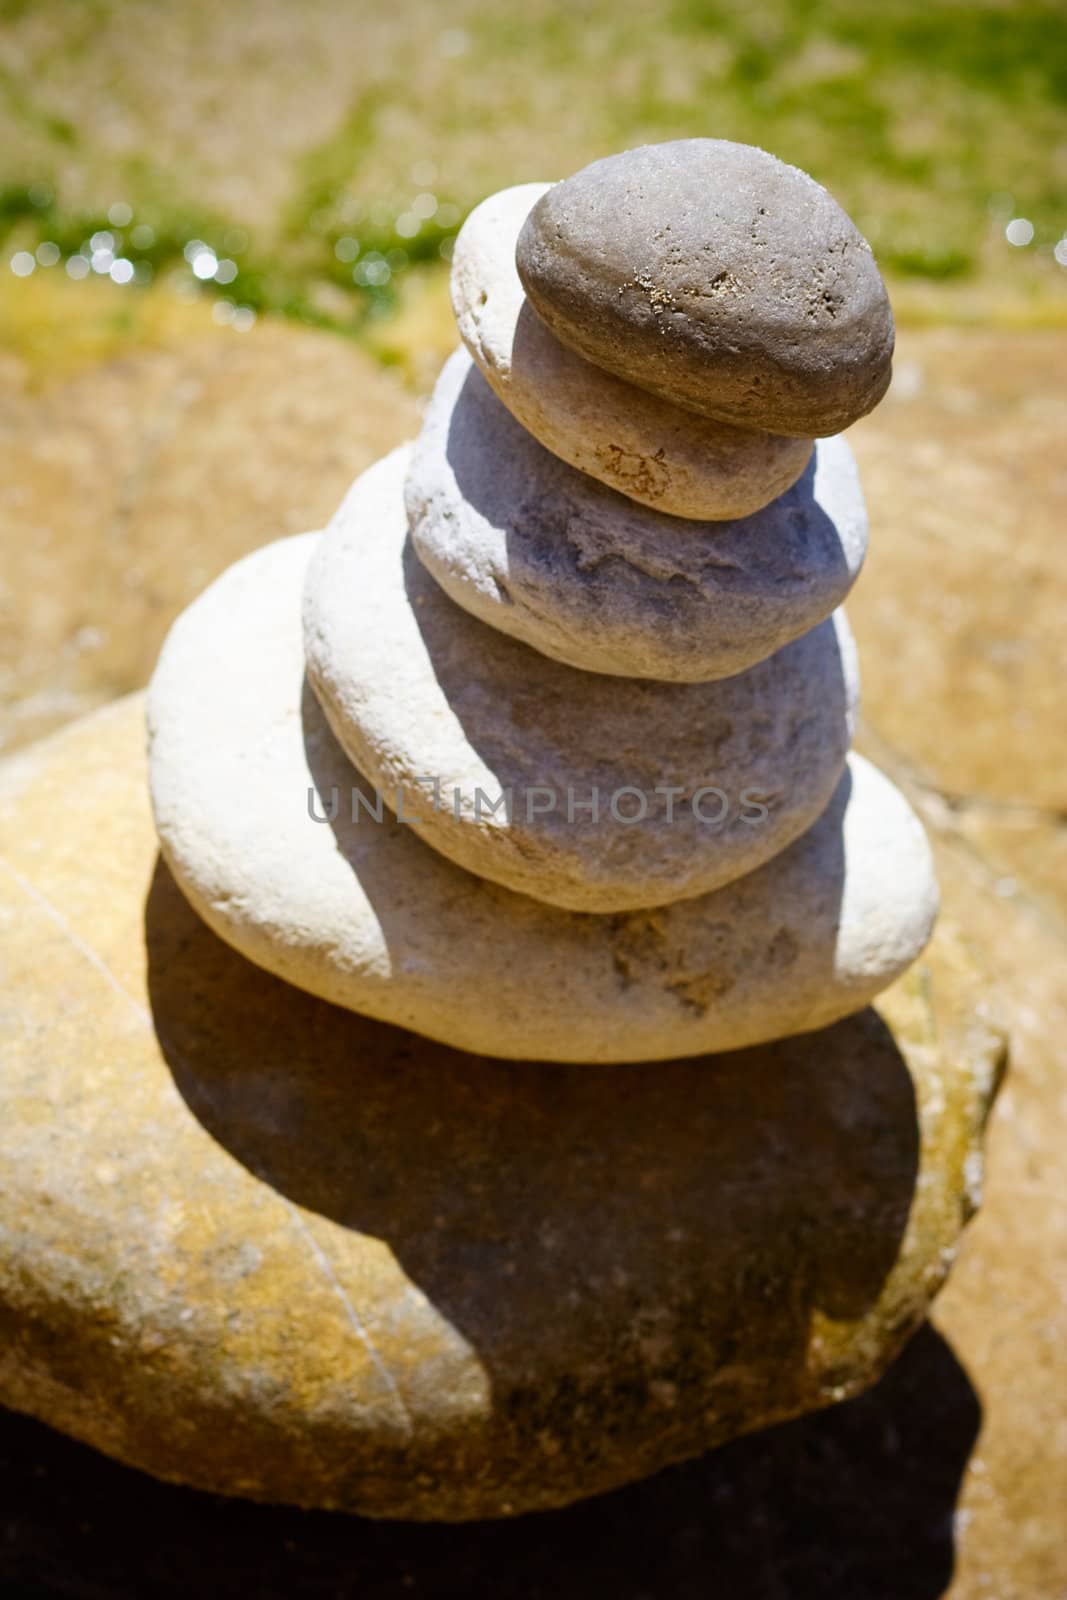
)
(284, 136)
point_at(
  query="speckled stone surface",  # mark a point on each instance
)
(265, 1247)
(945, 1479)
(658, 454)
(550, 556)
(427, 699)
(278, 843)
(716, 276)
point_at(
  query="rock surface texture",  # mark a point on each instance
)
(717, 277)
(365, 914)
(275, 1250)
(658, 454)
(560, 781)
(425, 699)
(545, 553)
(625, 746)
(103, 465)
(942, 1479)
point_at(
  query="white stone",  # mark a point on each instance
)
(552, 557)
(366, 915)
(428, 701)
(645, 447)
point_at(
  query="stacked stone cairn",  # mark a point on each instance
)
(555, 762)
(536, 765)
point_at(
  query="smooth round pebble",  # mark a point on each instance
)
(714, 275)
(502, 752)
(656, 453)
(548, 555)
(243, 767)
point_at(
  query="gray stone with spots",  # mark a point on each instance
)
(717, 276)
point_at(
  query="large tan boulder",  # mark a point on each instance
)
(266, 1247)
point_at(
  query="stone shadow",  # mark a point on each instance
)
(545, 1207)
(855, 1503)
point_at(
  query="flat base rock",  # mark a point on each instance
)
(297, 862)
(269, 1248)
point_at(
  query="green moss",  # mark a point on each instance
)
(927, 263)
(915, 113)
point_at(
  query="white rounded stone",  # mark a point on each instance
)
(367, 916)
(552, 557)
(497, 750)
(653, 451)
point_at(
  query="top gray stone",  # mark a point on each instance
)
(716, 276)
